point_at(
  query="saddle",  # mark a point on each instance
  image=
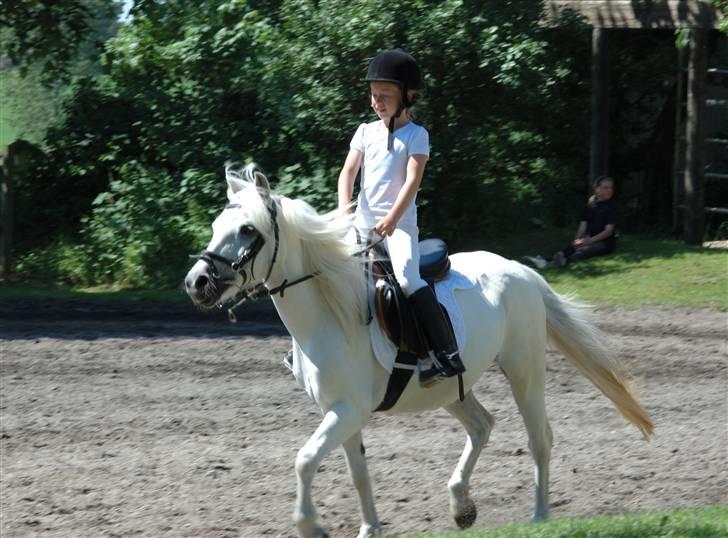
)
(396, 317)
(391, 307)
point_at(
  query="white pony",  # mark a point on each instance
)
(320, 292)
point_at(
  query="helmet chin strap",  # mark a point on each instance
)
(390, 137)
(403, 102)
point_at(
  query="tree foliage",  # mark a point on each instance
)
(48, 34)
(192, 84)
(722, 5)
(42, 78)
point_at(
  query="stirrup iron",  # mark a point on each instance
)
(443, 366)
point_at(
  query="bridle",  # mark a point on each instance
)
(250, 253)
(249, 256)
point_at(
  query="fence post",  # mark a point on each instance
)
(7, 157)
(599, 105)
(694, 138)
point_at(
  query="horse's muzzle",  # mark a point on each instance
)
(202, 286)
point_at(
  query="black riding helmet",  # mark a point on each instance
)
(395, 65)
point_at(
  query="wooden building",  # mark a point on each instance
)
(607, 16)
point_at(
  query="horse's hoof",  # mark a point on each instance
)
(369, 531)
(466, 517)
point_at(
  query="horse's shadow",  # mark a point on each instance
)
(95, 320)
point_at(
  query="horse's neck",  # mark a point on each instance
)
(301, 307)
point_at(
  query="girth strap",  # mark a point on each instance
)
(404, 366)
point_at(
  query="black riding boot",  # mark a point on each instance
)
(447, 362)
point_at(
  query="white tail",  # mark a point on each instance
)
(571, 331)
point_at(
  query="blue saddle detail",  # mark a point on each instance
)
(434, 261)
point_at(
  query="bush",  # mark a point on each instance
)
(60, 262)
(139, 233)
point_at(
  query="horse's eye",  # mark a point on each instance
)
(247, 229)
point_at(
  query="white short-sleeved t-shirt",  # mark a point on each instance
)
(383, 172)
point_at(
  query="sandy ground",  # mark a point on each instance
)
(141, 420)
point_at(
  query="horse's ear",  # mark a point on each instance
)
(253, 174)
(235, 185)
(237, 180)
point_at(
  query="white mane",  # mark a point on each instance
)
(323, 250)
(341, 276)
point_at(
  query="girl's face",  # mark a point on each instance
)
(604, 190)
(385, 98)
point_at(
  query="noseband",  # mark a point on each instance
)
(249, 255)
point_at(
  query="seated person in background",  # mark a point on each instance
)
(596, 233)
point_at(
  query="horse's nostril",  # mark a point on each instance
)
(201, 281)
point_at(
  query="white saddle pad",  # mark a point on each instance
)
(458, 279)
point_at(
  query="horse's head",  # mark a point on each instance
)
(244, 243)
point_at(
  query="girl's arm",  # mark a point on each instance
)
(601, 236)
(415, 169)
(580, 234)
(346, 179)
(581, 230)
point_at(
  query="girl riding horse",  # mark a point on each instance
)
(391, 154)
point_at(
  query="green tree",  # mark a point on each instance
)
(49, 33)
(192, 84)
(722, 5)
(35, 90)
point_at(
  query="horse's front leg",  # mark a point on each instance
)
(340, 423)
(360, 478)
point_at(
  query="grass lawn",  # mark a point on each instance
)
(642, 271)
(709, 522)
(649, 271)
(102, 294)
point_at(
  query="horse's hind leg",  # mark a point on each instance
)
(527, 375)
(478, 424)
(360, 477)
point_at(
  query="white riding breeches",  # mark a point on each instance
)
(404, 253)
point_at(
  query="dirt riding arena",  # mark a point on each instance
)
(157, 421)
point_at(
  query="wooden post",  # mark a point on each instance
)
(6, 211)
(678, 152)
(599, 164)
(694, 138)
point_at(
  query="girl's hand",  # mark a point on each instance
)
(385, 227)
